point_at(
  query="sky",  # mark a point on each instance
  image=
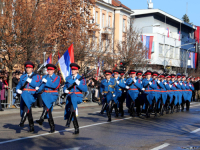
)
(176, 8)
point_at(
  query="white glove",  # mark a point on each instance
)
(158, 82)
(165, 83)
(44, 80)
(134, 80)
(124, 81)
(66, 91)
(143, 89)
(19, 91)
(190, 85)
(170, 86)
(113, 95)
(77, 82)
(180, 83)
(102, 93)
(150, 83)
(175, 83)
(127, 87)
(37, 88)
(29, 80)
(117, 82)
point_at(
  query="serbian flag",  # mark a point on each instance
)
(49, 60)
(98, 70)
(167, 32)
(65, 61)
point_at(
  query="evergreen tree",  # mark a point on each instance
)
(185, 18)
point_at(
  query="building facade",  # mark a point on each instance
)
(167, 38)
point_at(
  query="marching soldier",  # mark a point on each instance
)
(157, 93)
(178, 91)
(170, 93)
(123, 97)
(108, 92)
(49, 86)
(74, 97)
(133, 85)
(28, 95)
(184, 91)
(189, 88)
(149, 87)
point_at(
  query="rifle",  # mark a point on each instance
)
(24, 85)
(72, 85)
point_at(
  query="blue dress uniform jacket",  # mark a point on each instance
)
(75, 96)
(179, 92)
(163, 91)
(118, 90)
(149, 90)
(107, 88)
(133, 91)
(189, 88)
(170, 92)
(50, 93)
(184, 92)
(175, 93)
(28, 95)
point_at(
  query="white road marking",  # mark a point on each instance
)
(75, 148)
(44, 134)
(161, 146)
(194, 105)
(195, 131)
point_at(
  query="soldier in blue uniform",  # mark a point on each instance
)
(189, 88)
(28, 95)
(157, 93)
(184, 91)
(133, 85)
(178, 91)
(123, 96)
(74, 96)
(49, 88)
(141, 97)
(149, 86)
(118, 92)
(108, 92)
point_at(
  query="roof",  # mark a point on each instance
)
(117, 3)
(150, 11)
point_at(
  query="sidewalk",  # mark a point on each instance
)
(17, 110)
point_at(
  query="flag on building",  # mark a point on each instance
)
(58, 60)
(49, 60)
(65, 61)
(179, 36)
(167, 32)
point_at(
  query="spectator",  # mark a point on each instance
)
(15, 81)
(1, 85)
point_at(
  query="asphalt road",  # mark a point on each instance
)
(169, 132)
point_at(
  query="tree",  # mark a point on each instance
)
(185, 18)
(131, 49)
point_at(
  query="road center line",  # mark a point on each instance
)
(161, 146)
(195, 131)
(44, 134)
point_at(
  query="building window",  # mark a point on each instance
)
(124, 25)
(96, 17)
(103, 17)
(109, 21)
(160, 49)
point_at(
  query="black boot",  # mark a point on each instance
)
(23, 119)
(69, 120)
(187, 106)
(116, 110)
(182, 107)
(31, 125)
(76, 126)
(122, 113)
(103, 108)
(41, 120)
(52, 126)
(109, 114)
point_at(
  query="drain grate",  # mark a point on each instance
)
(191, 147)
